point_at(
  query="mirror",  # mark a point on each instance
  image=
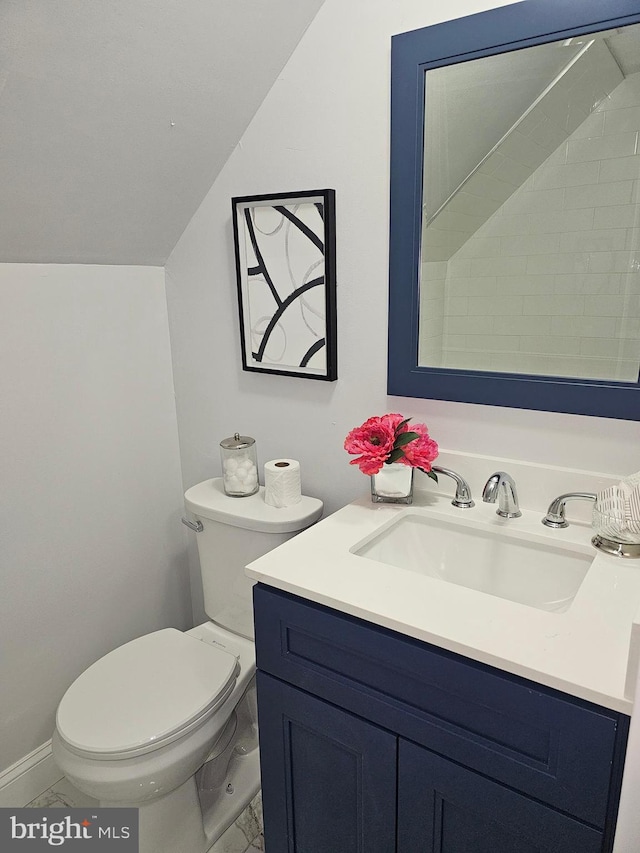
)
(515, 209)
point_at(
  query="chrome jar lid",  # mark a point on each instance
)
(237, 442)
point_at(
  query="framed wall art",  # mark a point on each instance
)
(286, 273)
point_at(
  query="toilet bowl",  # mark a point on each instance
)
(166, 723)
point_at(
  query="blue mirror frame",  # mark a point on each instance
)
(524, 24)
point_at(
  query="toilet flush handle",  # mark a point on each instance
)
(193, 525)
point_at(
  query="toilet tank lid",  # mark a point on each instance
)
(208, 500)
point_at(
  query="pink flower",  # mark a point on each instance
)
(421, 452)
(390, 438)
(393, 422)
(373, 441)
(368, 464)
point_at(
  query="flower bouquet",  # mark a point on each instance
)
(389, 451)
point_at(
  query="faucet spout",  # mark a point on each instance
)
(501, 487)
(462, 499)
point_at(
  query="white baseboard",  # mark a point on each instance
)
(28, 778)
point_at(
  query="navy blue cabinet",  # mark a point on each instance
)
(371, 741)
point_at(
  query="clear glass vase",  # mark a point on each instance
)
(393, 484)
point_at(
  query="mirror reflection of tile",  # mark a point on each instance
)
(530, 239)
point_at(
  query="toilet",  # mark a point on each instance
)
(167, 723)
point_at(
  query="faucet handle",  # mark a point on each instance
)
(462, 498)
(555, 516)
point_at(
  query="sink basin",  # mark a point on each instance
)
(488, 559)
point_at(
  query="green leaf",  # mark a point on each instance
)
(429, 474)
(401, 424)
(396, 454)
(406, 438)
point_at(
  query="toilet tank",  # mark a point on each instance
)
(235, 532)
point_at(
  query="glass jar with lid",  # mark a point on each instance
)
(239, 465)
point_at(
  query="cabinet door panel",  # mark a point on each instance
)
(329, 778)
(445, 808)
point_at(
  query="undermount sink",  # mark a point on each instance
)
(495, 561)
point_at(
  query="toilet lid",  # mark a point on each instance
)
(144, 694)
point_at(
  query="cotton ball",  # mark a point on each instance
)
(231, 465)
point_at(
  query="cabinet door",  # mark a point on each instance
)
(446, 808)
(329, 778)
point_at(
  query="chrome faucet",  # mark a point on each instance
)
(462, 497)
(555, 513)
(501, 486)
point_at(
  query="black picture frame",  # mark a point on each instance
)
(286, 282)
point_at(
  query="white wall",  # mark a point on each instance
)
(326, 124)
(91, 545)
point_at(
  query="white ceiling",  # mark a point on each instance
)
(116, 117)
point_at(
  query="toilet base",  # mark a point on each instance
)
(170, 824)
(220, 809)
(189, 821)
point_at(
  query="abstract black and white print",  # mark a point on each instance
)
(285, 258)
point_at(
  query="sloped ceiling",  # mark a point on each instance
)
(116, 117)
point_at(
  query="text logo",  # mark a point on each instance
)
(104, 830)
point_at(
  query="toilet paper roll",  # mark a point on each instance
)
(282, 482)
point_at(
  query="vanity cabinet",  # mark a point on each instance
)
(374, 742)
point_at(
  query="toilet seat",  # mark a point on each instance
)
(144, 695)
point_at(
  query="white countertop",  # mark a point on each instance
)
(584, 651)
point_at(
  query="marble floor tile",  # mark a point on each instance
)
(62, 795)
(243, 836)
(257, 846)
(233, 840)
(244, 833)
(47, 800)
(250, 821)
(71, 796)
